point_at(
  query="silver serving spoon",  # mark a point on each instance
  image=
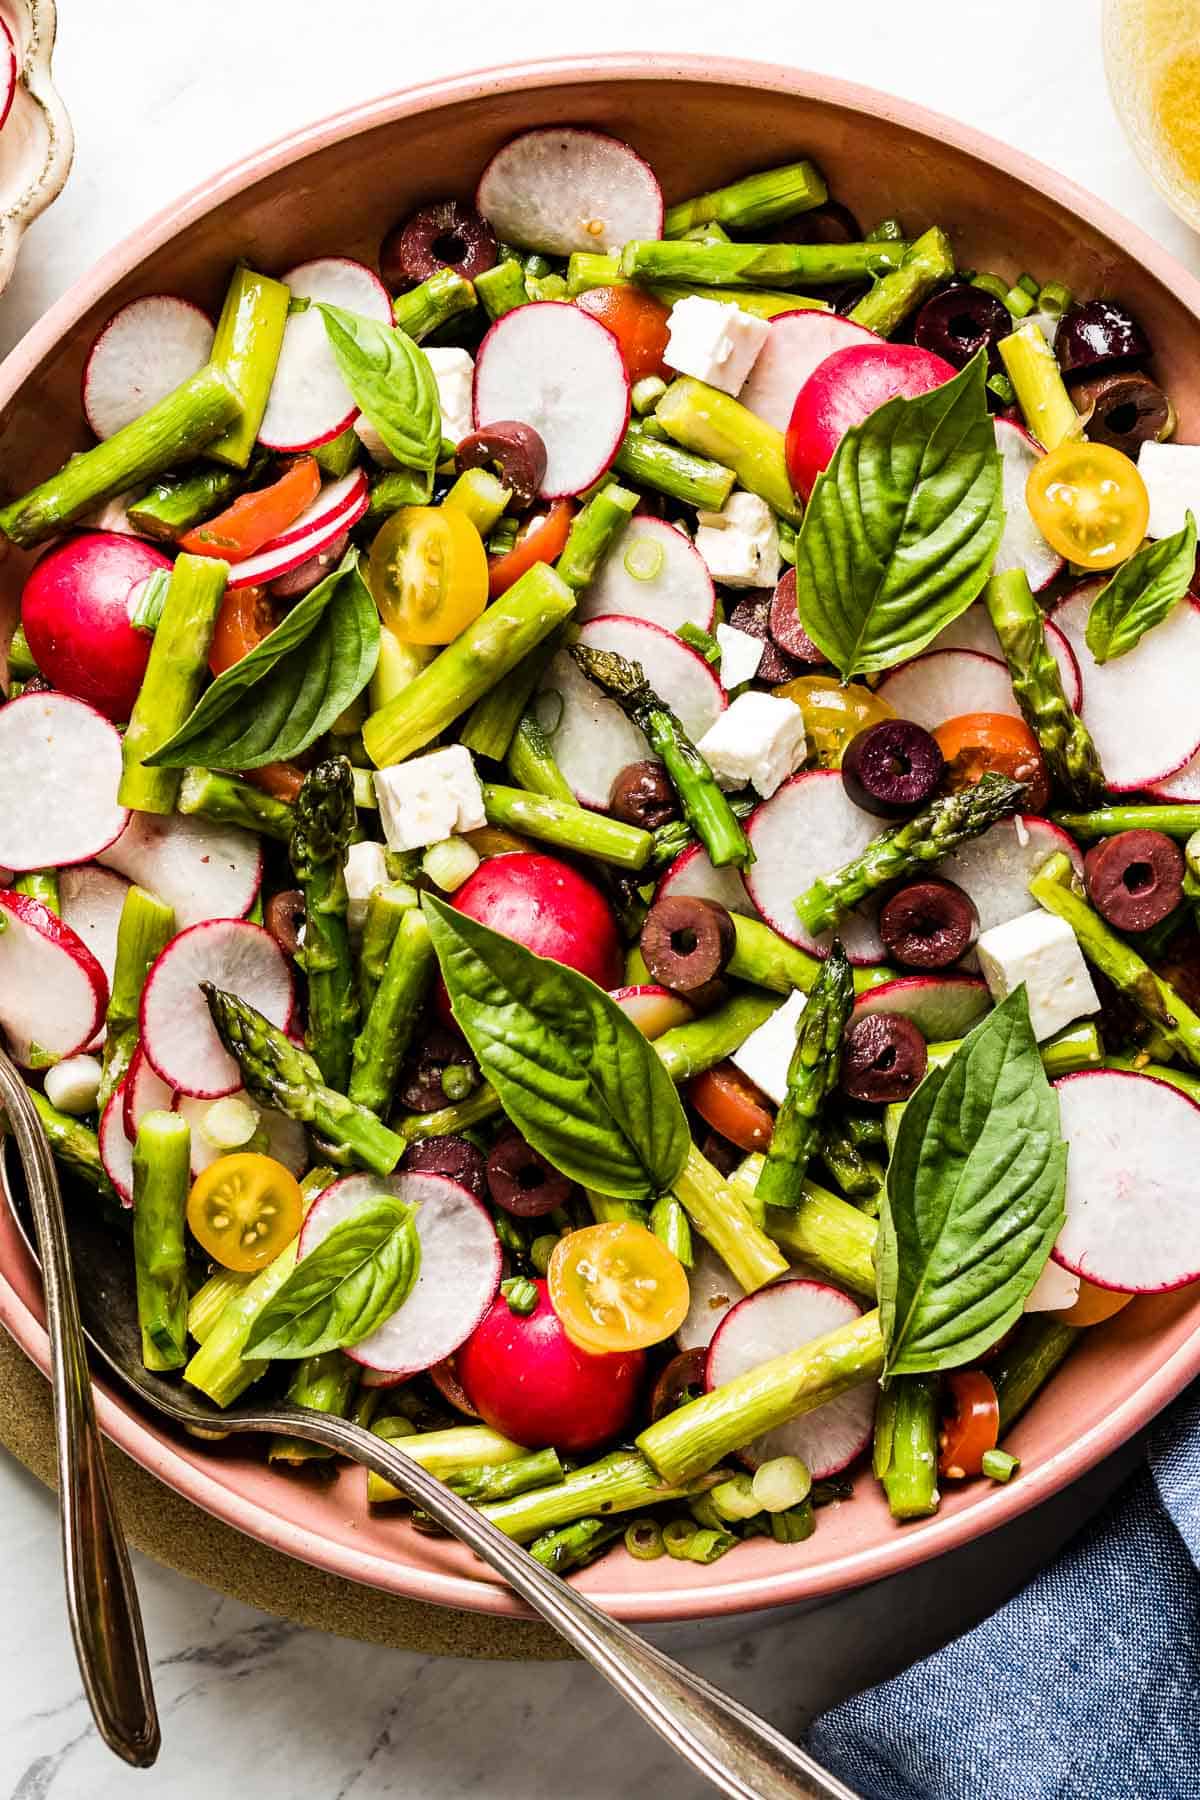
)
(102, 1603)
(740, 1754)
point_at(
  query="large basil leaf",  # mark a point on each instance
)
(572, 1071)
(1141, 593)
(391, 383)
(974, 1198)
(902, 527)
(343, 1290)
(286, 693)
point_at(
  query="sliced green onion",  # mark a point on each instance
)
(230, 1124)
(644, 1539)
(999, 1465)
(1054, 297)
(701, 640)
(457, 1081)
(781, 1483)
(991, 284)
(736, 1499)
(450, 863)
(708, 1546)
(149, 598)
(1019, 302)
(1030, 283)
(1002, 387)
(521, 1295)
(647, 393)
(548, 710)
(644, 559)
(677, 1535)
(794, 1525)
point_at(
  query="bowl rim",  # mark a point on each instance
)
(126, 1428)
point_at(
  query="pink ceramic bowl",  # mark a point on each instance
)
(338, 186)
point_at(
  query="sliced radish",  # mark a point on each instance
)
(204, 871)
(1184, 785)
(287, 1140)
(1131, 1192)
(561, 371)
(846, 388)
(144, 1091)
(176, 1029)
(809, 828)
(116, 1147)
(973, 630)
(460, 1267)
(677, 673)
(334, 498)
(53, 992)
(796, 343)
(941, 1007)
(559, 189)
(90, 902)
(60, 764)
(281, 557)
(771, 1322)
(145, 351)
(653, 572)
(1022, 545)
(1141, 707)
(309, 402)
(945, 684)
(653, 1009)
(714, 1293)
(996, 869)
(693, 873)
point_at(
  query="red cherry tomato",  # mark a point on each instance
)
(245, 618)
(847, 388)
(638, 322)
(972, 1426)
(541, 540)
(75, 610)
(525, 1378)
(731, 1103)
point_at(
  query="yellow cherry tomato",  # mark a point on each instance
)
(1094, 1305)
(616, 1287)
(244, 1210)
(428, 571)
(1089, 503)
(834, 714)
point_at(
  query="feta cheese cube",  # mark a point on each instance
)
(73, 1084)
(766, 1053)
(740, 655)
(1042, 952)
(740, 544)
(714, 341)
(454, 372)
(430, 798)
(1171, 473)
(758, 738)
(366, 869)
(1054, 1290)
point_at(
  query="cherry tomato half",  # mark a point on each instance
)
(616, 1287)
(1094, 1305)
(282, 780)
(834, 713)
(245, 618)
(976, 743)
(428, 572)
(541, 540)
(971, 1428)
(729, 1102)
(244, 1209)
(638, 322)
(1089, 503)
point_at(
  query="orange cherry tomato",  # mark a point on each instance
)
(541, 540)
(257, 517)
(638, 322)
(1094, 1305)
(244, 1209)
(1089, 502)
(282, 780)
(975, 743)
(971, 1428)
(245, 619)
(616, 1287)
(731, 1103)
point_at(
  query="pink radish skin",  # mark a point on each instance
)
(60, 763)
(1022, 546)
(769, 1323)
(1131, 1202)
(75, 610)
(809, 828)
(653, 1009)
(797, 344)
(680, 592)
(204, 871)
(309, 402)
(996, 869)
(144, 1091)
(846, 388)
(561, 371)
(973, 630)
(1183, 786)
(559, 189)
(676, 672)
(176, 1028)
(334, 498)
(280, 558)
(942, 1007)
(287, 1141)
(147, 349)
(459, 1276)
(693, 873)
(53, 992)
(90, 902)
(8, 80)
(945, 684)
(116, 1148)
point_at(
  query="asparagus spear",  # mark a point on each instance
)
(449, 1454)
(246, 348)
(177, 503)
(718, 1212)
(325, 821)
(1040, 389)
(230, 802)
(567, 826)
(219, 1368)
(325, 1383)
(696, 480)
(209, 1302)
(762, 303)
(575, 1545)
(715, 264)
(390, 1025)
(926, 262)
(906, 1452)
(432, 303)
(762, 199)
(622, 1481)
(386, 906)
(161, 1178)
(811, 1078)
(502, 288)
(1071, 756)
(146, 927)
(175, 674)
(73, 1143)
(530, 762)
(905, 849)
(711, 423)
(1073, 1048)
(1026, 1362)
(594, 531)
(1176, 821)
(704, 805)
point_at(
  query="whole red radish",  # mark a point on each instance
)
(525, 1377)
(847, 388)
(75, 610)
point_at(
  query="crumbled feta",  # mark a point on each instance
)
(740, 655)
(1054, 1290)
(1041, 951)
(715, 342)
(758, 738)
(366, 869)
(1171, 473)
(740, 544)
(454, 372)
(430, 798)
(73, 1084)
(766, 1053)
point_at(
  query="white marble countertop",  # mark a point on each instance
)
(161, 94)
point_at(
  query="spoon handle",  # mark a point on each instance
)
(102, 1604)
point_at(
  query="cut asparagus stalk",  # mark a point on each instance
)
(327, 1384)
(246, 348)
(230, 802)
(73, 1143)
(906, 1447)
(827, 1233)
(709, 423)
(502, 289)
(161, 1178)
(1176, 821)
(175, 674)
(926, 262)
(490, 726)
(325, 821)
(339, 455)
(1073, 1048)
(594, 530)
(459, 1450)
(1026, 1362)
(391, 1024)
(21, 665)
(714, 264)
(386, 907)
(219, 1368)
(696, 480)
(719, 1214)
(451, 1121)
(762, 303)
(433, 303)
(480, 497)
(209, 1302)
(530, 762)
(623, 1481)
(567, 826)
(688, 1050)
(762, 199)
(172, 507)
(1071, 756)
(1041, 391)
(146, 928)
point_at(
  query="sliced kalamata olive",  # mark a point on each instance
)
(521, 1181)
(1181, 965)
(682, 1379)
(446, 235)
(298, 582)
(1135, 878)
(686, 942)
(451, 1156)
(1125, 410)
(828, 224)
(420, 1087)
(776, 667)
(883, 1058)
(516, 454)
(642, 795)
(928, 924)
(283, 917)
(1098, 334)
(892, 768)
(784, 625)
(724, 1156)
(960, 322)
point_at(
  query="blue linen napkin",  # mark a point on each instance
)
(1085, 1686)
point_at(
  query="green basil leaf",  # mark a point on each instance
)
(1141, 593)
(902, 527)
(343, 1290)
(572, 1071)
(277, 701)
(391, 383)
(974, 1198)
